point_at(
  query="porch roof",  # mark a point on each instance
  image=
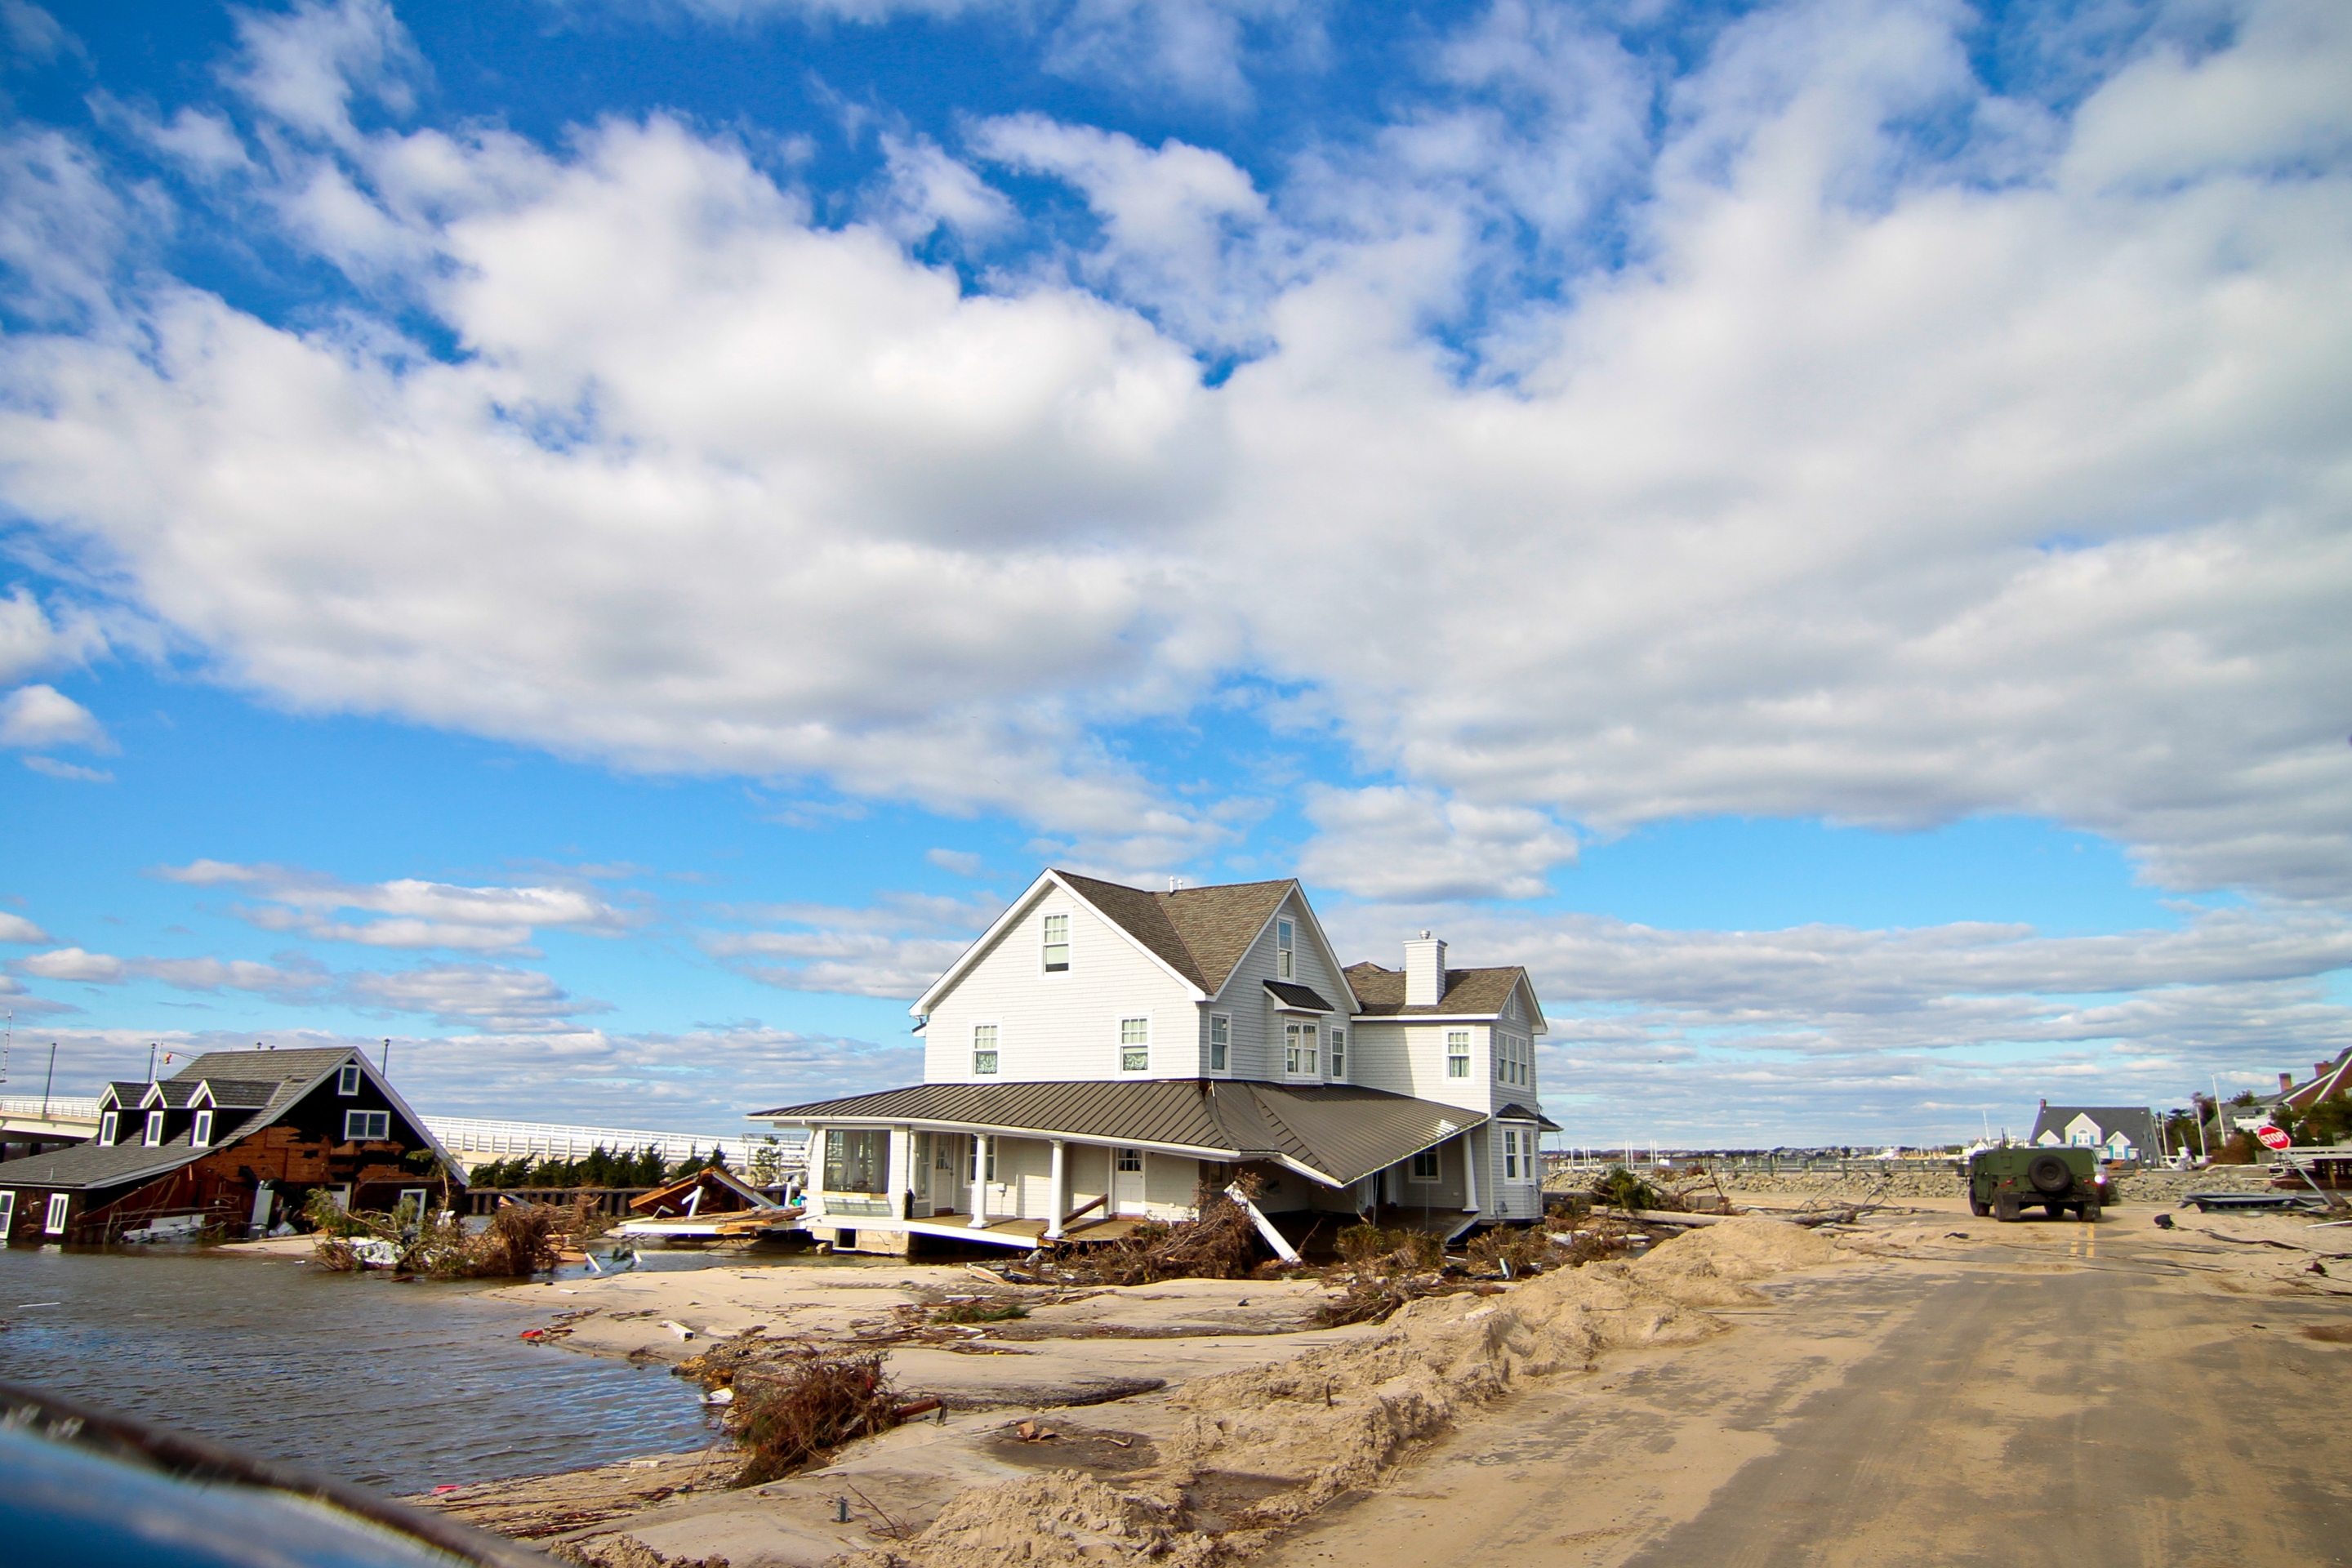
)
(1335, 1133)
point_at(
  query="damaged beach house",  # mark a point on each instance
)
(230, 1143)
(1102, 1055)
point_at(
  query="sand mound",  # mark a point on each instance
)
(1336, 1419)
(623, 1551)
(1043, 1521)
(1708, 1268)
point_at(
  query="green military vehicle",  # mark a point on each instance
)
(2005, 1182)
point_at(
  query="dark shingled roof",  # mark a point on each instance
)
(1200, 932)
(1294, 995)
(243, 1094)
(2132, 1120)
(1340, 1131)
(96, 1165)
(1471, 992)
(127, 1092)
(262, 1067)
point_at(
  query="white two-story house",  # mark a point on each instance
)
(1101, 1054)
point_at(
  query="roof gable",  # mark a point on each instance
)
(1469, 993)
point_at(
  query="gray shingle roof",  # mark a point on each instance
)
(243, 1094)
(94, 1165)
(2132, 1120)
(263, 1067)
(1339, 1130)
(1200, 932)
(1468, 992)
(127, 1092)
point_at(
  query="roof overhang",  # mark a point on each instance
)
(1013, 914)
(1012, 1130)
(1310, 1003)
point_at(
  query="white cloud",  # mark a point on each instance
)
(893, 948)
(32, 639)
(44, 715)
(416, 914)
(52, 768)
(962, 862)
(1613, 449)
(16, 928)
(924, 188)
(1393, 843)
(72, 964)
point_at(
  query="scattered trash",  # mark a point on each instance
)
(720, 1396)
(2164, 1221)
(532, 1334)
(1956, 1235)
(1031, 1432)
(680, 1330)
(439, 1490)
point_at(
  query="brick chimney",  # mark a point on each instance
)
(1424, 972)
(2286, 1081)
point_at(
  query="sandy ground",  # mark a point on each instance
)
(1892, 1401)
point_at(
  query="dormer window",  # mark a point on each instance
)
(155, 1130)
(1286, 937)
(203, 1136)
(1057, 944)
(347, 1080)
(107, 1126)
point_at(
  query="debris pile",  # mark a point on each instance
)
(623, 1551)
(521, 1241)
(801, 1403)
(1058, 1518)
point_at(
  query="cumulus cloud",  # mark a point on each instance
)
(894, 948)
(44, 715)
(32, 639)
(16, 928)
(1611, 445)
(455, 996)
(413, 913)
(1396, 843)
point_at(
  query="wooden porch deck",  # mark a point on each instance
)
(1025, 1233)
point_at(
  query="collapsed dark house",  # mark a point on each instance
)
(233, 1142)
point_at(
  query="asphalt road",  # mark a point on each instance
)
(2046, 1393)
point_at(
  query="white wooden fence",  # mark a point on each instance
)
(482, 1139)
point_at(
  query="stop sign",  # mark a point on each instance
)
(2274, 1137)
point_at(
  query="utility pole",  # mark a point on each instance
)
(383, 1064)
(48, 1080)
(151, 1061)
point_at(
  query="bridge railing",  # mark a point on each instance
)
(494, 1140)
(58, 1108)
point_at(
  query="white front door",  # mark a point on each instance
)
(918, 1164)
(1126, 1181)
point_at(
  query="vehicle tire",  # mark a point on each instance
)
(2055, 1211)
(1978, 1207)
(2090, 1214)
(2005, 1209)
(2050, 1175)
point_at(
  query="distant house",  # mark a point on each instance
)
(233, 1140)
(1103, 1053)
(2117, 1132)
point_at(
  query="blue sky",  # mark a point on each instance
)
(600, 543)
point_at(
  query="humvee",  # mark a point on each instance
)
(2004, 1181)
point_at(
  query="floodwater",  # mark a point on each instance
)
(401, 1387)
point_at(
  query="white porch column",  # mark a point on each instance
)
(1058, 1189)
(1469, 1173)
(812, 1181)
(979, 1181)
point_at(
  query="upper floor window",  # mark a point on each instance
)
(984, 1048)
(1285, 936)
(347, 1080)
(1220, 1042)
(107, 1126)
(1339, 1053)
(203, 1136)
(1457, 1053)
(1135, 1045)
(365, 1126)
(1299, 1051)
(1057, 944)
(154, 1129)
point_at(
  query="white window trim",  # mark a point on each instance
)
(1227, 1065)
(54, 1222)
(997, 1050)
(1118, 1038)
(1436, 1165)
(1045, 926)
(200, 1136)
(109, 1127)
(1335, 1052)
(152, 1137)
(1451, 1057)
(7, 1212)
(347, 1078)
(363, 1135)
(1286, 949)
(1313, 1071)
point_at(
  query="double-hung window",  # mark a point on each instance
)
(366, 1126)
(1135, 1045)
(1338, 1054)
(1298, 1048)
(1220, 1042)
(1425, 1166)
(983, 1050)
(1285, 936)
(154, 1129)
(108, 1125)
(1057, 944)
(58, 1204)
(1457, 1053)
(203, 1136)
(1511, 1154)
